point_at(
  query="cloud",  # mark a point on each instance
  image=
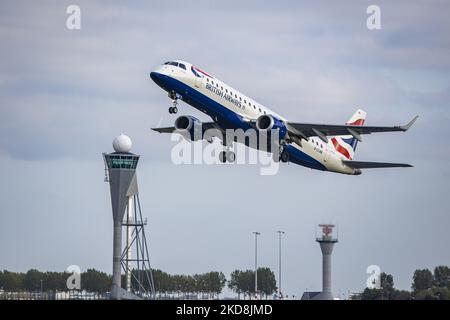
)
(65, 94)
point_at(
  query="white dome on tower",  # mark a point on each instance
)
(122, 143)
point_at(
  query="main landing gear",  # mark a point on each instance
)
(174, 97)
(227, 156)
(283, 155)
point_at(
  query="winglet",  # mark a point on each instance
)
(409, 124)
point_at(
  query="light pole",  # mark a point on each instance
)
(256, 233)
(279, 261)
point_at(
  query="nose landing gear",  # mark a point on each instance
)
(173, 109)
(174, 96)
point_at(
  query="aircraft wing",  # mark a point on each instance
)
(306, 130)
(371, 165)
(205, 126)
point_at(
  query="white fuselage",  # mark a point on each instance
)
(249, 109)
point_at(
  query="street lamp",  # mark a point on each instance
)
(256, 233)
(279, 261)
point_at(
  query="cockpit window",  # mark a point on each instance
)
(176, 64)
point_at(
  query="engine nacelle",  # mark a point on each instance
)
(267, 122)
(190, 127)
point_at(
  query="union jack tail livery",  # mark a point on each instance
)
(346, 145)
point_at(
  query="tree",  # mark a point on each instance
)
(266, 281)
(386, 291)
(55, 281)
(12, 281)
(215, 281)
(442, 276)
(401, 295)
(96, 281)
(371, 294)
(233, 283)
(163, 281)
(441, 293)
(422, 280)
(32, 280)
(242, 282)
(387, 286)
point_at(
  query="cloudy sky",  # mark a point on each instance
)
(64, 95)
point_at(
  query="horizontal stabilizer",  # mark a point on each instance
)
(165, 130)
(371, 165)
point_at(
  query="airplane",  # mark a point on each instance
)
(325, 147)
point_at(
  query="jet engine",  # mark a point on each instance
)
(266, 123)
(190, 127)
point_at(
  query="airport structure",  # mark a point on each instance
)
(120, 172)
(326, 242)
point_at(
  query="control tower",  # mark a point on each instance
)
(326, 241)
(120, 172)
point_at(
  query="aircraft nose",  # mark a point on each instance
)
(156, 76)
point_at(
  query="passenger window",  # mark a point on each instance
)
(221, 88)
(226, 90)
(245, 101)
(259, 109)
(217, 85)
(235, 95)
(240, 98)
(207, 79)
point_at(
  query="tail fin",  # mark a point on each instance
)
(346, 145)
